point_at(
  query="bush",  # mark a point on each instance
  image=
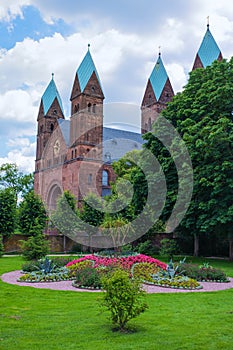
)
(168, 247)
(203, 273)
(123, 298)
(36, 247)
(146, 247)
(87, 277)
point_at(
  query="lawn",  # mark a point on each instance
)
(46, 319)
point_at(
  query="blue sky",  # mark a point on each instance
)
(38, 37)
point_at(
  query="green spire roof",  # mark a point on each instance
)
(85, 70)
(209, 50)
(49, 96)
(158, 78)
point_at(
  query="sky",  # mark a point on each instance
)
(41, 37)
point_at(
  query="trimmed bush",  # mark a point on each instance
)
(124, 298)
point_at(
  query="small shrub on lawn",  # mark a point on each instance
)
(124, 298)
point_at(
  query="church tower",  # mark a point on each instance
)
(208, 51)
(50, 111)
(158, 93)
(87, 97)
(86, 129)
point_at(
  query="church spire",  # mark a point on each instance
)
(51, 93)
(208, 51)
(158, 93)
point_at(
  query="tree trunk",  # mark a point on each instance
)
(231, 249)
(196, 245)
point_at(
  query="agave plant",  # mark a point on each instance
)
(46, 266)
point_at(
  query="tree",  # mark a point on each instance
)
(11, 177)
(202, 114)
(31, 213)
(36, 247)
(92, 210)
(65, 215)
(7, 212)
(118, 228)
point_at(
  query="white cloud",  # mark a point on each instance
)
(9, 9)
(17, 105)
(23, 155)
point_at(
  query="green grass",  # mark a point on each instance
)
(44, 319)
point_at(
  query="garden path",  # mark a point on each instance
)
(11, 277)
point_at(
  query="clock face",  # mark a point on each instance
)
(56, 147)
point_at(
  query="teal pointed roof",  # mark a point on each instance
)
(209, 50)
(158, 78)
(85, 70)
(49, 96)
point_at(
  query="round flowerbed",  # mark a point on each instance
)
(37, 276)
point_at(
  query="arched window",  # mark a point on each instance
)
(51, 127)
(72, 154)
(105, 178)
(94, 108)
(89, 107)
(76, 108)
(89, 180)
(149, 124)
(75, 153)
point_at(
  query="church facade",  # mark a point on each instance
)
(77, 154)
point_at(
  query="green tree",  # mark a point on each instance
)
(124, 298)
(36, 247)
(31, 213)
(11, 177)
(118, 228)
(65, 215)
(7, 211)
(91, 211)
(202, 114)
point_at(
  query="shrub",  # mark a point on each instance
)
(123, 298)
(36, 247)
(204, 273)
(168, 247)
(87, 277)
(146, 247)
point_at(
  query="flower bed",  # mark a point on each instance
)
(37, 276)
(122, 262)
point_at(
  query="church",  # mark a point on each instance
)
(76, 154)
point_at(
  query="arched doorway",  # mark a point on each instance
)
(54, 193)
